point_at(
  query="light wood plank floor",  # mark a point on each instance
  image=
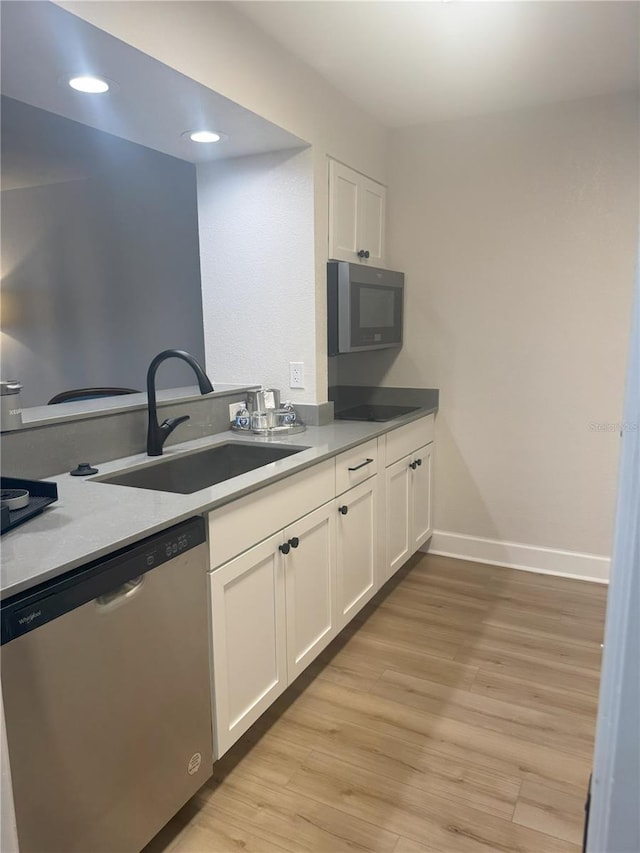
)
(456, 714)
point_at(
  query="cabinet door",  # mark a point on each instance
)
(399, 514)
(421, 497)
(248, 641)
(310, 578)
(343, 212)
(371, 220)
(357, 570)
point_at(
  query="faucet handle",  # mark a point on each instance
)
(168, 425)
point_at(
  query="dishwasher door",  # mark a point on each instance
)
(108, 706)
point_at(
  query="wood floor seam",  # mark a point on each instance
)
(459, 797)
(515, 805)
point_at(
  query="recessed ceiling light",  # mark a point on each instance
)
(203, 136)
(90, 85)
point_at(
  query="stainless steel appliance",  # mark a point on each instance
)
(105, 676)
(263, 400)
(364, 308)
(11, 410)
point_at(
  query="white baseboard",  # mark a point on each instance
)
(528, 558)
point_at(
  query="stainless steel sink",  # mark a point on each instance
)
(194, 471)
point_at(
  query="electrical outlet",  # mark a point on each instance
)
(296, 374)
(233, 408)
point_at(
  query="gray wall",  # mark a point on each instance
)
(517, 236)
(101, 265)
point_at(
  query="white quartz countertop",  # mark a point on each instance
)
(93, 519)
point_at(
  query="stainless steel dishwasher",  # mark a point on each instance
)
(105, 676)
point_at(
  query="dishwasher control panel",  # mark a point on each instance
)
(29, 610)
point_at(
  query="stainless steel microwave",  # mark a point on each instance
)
(364, 307)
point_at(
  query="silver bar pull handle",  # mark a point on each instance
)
(361, 465)
(119, 595)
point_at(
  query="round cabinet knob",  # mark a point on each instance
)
(294, 542)
(343, 510)
(418, 462)
(285, 547)
(363, 253)
(413, 465)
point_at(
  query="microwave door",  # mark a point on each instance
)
(374, 317)
(377, 313)
(364, 308)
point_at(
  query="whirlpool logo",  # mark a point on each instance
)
(30, 617)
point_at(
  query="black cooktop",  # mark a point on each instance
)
(374, 413)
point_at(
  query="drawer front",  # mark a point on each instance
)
(404, 440)
(244, 522)
(356, 465)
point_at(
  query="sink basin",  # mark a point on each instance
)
(194, 471)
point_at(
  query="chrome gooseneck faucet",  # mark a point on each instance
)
(157, 433)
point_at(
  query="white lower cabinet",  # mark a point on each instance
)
(407, 516)
(276, 604)
(357, 548)
(399, 514)
(273, 609)
(421, 528)
(249, 657)
(310, 584)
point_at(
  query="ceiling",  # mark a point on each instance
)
(42, 45)
(408, 63)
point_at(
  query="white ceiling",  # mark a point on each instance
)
(408, 63)
(152, 105)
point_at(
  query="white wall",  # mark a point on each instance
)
(257, 242)
(216, 45)
(517, 234)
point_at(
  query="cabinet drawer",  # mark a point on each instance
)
(355, 465)
(244, 522)
(404, 440)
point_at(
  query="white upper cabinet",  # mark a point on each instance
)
(356, 216)
(373, 201)
(343, 212)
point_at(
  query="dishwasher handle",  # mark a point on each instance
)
(120, 595)
(105, 581)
